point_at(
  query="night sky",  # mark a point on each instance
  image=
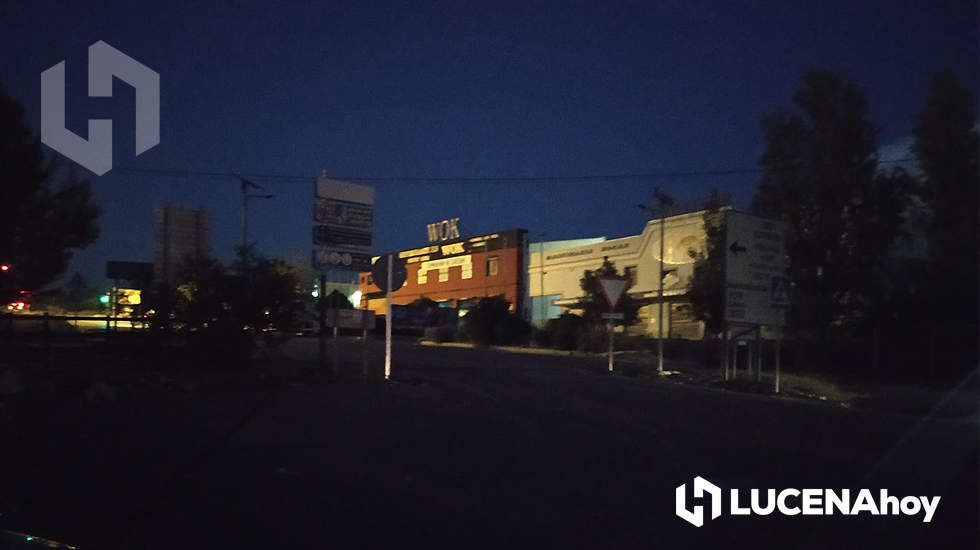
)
(453, 90)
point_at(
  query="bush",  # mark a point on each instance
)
(565, 332)
(490, 322)
(542, 338)
(441, 334)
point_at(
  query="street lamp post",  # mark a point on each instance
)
(544, 310)
(664, 202)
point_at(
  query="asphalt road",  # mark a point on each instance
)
(477, 449)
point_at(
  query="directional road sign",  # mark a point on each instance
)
(379, 272)
(756, 286)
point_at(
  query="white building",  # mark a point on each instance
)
(554, 283)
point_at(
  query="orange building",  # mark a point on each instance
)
(459, 271)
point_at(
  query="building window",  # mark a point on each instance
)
(443, 274)
(422, 277)
(493, 266)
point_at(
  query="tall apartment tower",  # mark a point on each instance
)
(178, 234)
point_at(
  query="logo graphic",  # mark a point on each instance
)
(104, 62)
(695, 516)
(806, 502)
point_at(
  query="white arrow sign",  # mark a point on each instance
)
(613, 289)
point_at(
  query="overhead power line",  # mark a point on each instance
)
(462, 179)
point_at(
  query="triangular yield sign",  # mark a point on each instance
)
(613, 289)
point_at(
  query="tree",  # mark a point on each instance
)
(336, 300)
(946, 146)
(204, 292)
(593, 302)
(270, 296)
(821, 179)
(48, 211)
(707, 287)
(77, 295)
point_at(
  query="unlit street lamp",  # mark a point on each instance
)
(664, 202)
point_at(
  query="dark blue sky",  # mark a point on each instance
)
(450, 89)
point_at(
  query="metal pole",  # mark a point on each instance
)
(322, 313)
(336, 358)
(544, 313)
(609, 325)
(660, 319)
(364, 345)
(244, 189)
(748, 358)
(778, 342)
(735, 359)
(758, 354)
(725, 350)
(388, 320)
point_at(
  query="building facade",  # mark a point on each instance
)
(458, 271)
(556, 269)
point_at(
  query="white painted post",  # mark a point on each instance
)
(388, 320)
(610, 327)
(364, 345)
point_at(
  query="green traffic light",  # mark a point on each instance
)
(104, 298)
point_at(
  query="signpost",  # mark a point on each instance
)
(613, 289)
(389, 274)
(757, 289)
(343, 218)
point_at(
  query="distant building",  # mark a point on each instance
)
(456, 271)
(555, 271)
(178, 234)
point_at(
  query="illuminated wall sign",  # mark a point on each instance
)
(482, 243)
(446, 230)
(443, 265)
(450, 249)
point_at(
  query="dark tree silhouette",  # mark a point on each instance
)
(47, 210)
(77, 295)
(707, 286)
(821, 178)
(946, 146)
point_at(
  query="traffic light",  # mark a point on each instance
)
(4, 267)
(104, 299)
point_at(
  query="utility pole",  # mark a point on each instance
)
(244, 184)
